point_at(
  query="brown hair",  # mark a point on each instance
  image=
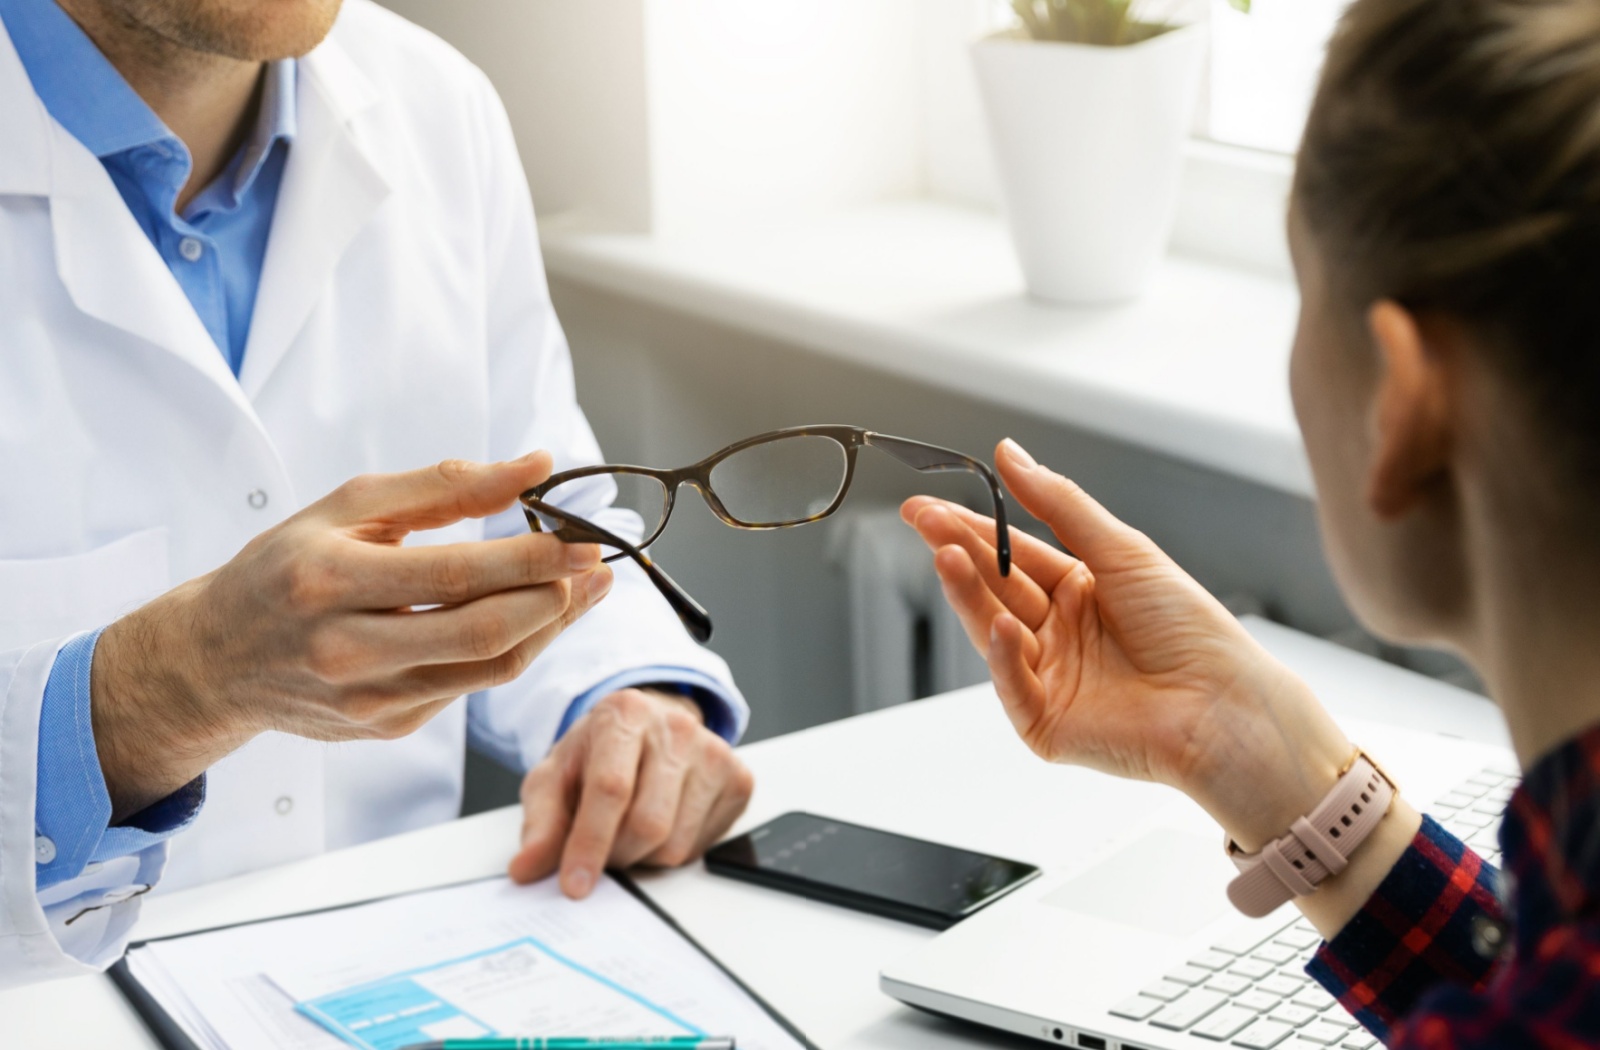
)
(1451, 161)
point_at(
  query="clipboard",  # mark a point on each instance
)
(171, 1035)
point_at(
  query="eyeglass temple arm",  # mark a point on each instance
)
(931, 459)
(693, 615)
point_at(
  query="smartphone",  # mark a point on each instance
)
(874, 871)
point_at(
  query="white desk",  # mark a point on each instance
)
(947, 768)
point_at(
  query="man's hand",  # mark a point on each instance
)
(324, 626)
(639, 779)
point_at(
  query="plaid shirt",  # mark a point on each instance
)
(1418, 966)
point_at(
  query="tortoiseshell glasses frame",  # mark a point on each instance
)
(918, 455)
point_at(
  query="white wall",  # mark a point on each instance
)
(665, 115)
(572, 76)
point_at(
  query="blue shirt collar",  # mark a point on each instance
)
(84, 92)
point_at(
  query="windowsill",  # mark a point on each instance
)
(1197, 369)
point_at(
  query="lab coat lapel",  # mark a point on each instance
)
(330, 189)
(109, 267)
(24, 128)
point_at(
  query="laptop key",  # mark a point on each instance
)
(1263, 1035)
(1339, 1016)
(1186, 1011)
(1257, 1000)
(1313, 997)
(1212, 960)
(1189, 975)
(1166, 991)
(1359, 1041)
(1254, 969)
(1137, 1008)
(1240, 939)
(1325, 1034)
(1224, 1024)
(1297, 938)
(1277, 954)
(1278, 984)
(1228, 983)
(1292, 1015)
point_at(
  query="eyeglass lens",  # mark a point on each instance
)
(593, 497)
(781, 482)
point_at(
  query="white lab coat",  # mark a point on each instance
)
(402, 318)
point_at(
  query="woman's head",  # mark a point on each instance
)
(1446, 226)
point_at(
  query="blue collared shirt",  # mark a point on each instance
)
(215, 250)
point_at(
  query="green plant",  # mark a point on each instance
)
(1109, 23)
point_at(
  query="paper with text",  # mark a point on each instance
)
(483, 959)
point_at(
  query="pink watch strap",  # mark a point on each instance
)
(1317, 846)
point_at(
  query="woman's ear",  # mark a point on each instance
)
(1413, 409)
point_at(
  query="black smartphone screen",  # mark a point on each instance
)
(876, 871)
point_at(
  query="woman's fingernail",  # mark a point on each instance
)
(1018, 453)
(598, 585)
(579, 882)
(582, 556)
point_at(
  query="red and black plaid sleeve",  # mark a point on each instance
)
(1415, 934)
(1409, 965)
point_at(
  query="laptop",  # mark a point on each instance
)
(1135, 947)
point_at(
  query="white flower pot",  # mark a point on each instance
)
(1089, 144)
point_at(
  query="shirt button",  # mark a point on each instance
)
(258, 499)
(283, 805)
(44, 851)
(191, 248)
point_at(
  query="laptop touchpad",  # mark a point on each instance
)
(1169, 882)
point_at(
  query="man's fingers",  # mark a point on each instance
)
(729, 806)
(1042, 563)
(1017, 591)
(546, 819)
(605, 793)
(650, 821)
(479, 630)
(975, 605)
(382, 577)
(531, 619)
(700, 793)
(382, 508)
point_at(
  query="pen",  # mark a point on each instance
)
(645, 1042)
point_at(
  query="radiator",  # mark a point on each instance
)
(905, 642)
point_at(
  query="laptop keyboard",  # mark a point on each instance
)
(1250, 990)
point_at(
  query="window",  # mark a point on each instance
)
(1264, 68)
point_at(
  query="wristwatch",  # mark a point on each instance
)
(1318, 845)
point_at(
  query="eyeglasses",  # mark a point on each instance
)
(771, 481)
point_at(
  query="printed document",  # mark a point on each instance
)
(479, 960)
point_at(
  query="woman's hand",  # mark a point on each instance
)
(1117, 659)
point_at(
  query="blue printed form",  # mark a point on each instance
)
(520, 988)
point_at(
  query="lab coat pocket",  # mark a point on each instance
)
(43, 598)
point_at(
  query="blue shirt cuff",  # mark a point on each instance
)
(72, 810)
(716, 706)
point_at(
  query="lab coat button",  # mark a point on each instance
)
(191, 249)
(257, 498)
(283, 805)
(44, 851)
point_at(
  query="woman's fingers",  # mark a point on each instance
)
(1083, 526)
(1011, 667)
(1018, 592)
(975, 604)
(1040, 561)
